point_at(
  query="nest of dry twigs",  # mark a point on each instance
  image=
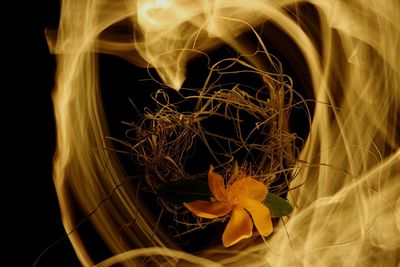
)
(229, 122)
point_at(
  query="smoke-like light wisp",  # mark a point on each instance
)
(346, 192)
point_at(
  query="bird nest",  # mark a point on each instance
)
(219, 124)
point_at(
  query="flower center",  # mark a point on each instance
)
(236, 191)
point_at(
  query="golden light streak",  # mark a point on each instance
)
(347, 207)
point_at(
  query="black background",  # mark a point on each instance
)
(32, 221)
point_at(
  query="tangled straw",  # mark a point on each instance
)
(256, 133)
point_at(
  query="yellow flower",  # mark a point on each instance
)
(242, 196)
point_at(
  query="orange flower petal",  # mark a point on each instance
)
(239, 227)
(260, 214)
(249, 187)
(216, 184)
(207, 209)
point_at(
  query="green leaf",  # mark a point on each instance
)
(278, 206)
(184, 190)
